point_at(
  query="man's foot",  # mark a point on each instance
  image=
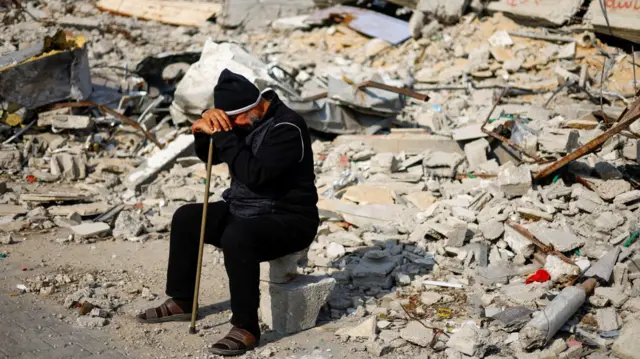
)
(237, 342)
(169, 311)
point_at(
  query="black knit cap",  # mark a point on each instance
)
(234, 92)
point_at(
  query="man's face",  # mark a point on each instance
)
(245, 119)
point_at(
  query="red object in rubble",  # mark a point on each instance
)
(540, 276)
(31, 179)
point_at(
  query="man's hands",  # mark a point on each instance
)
(212, 121)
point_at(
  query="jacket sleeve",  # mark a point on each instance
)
(282, 147)
(201, 146)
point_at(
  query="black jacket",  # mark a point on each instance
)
(271, 165)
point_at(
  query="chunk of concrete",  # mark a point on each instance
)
(469, 340)
(627, 346)
(559, 270)
(417, 334)
(607, 319)
(69, 166)
(476, 153)
(614, 294)
(10, 160)
(518, 243)
(446, 11)
(492, 230)
(374, 269)
(383, 163)
(281, 270)
(64, 121)
(514, 181)
(84, 209)
(366, 330)
(628, 197)
(293, 307)
(91, 322)
(430, 298)
(129, 224)
(416, 23)
(87, 230)
(561, 239)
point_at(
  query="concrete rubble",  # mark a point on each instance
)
(415, 255)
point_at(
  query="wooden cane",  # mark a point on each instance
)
(194, 312)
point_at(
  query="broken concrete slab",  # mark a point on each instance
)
(64, 120)
(469, 132)
(628, 197)
(68, 165)
(159, 161)
(417, 334)
(366, 330)
(10, 159)
(514, 181)
(607, 319)
(84, 209)
(87, 230)
(492, 229)
(421, 200)
(561, 240)
(281, 270)
(129, 224)
(469, 340)
(559, 270)
(627, 346)
(12, 210)
(446, 11)
(292, 307)
(518, 243)
(614, 294)
(369, 194)
(403, 142)
(539, 12)
(620, 20)
(476, 153)
(374, 269)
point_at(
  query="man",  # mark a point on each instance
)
(269, 211)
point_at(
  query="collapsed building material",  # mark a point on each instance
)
(617, 17)
(24, 72)
(548, 12)
(403, 142)
(183, 13)
(629, 116)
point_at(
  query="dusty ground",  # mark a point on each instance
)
(145, 264)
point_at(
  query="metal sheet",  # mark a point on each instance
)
(368, 22)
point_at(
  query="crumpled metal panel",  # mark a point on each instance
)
(50, 79)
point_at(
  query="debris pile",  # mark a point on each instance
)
(479, 197)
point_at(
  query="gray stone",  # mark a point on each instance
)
(469, 341)
(627, 346)
(374, 269)
(6, 239)
(628, 197)
(383, 163)
(607, 319)
(335, 251)
(417, 334)
(89, 229)
(446, 11)
(614, 294)
(608, 190)
(562, 240)
(366, 330)
(102, 47)
(281, 270)
(476, 153)
(69, 166)
(10, 160)
(416, 23)
(518, 243)
(129, 224)
(514, 181)
(294, 306)
(491, 230)
(91, 322)
(430, 298)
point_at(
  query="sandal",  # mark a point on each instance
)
(237, 342)
(169, 311)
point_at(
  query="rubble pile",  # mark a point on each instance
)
(496, 217)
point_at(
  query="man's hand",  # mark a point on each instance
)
(212, 121)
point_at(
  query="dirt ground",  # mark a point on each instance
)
(145, 264)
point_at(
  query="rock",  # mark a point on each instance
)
(431, 29)
(294, 306)
(377, 348)
(91, 322)
(6, 239)
(518, 243)
(374, 269)
(607, 319)
(446, 11)
(491, 230)
(430, 298)
(129, 224)
(416, 23)
(628, 197)
(69, 166)
(383, 163)
(102, 47)
(476, 153)
(614, 294)
(335, 251)
(368, 194)
(514, 181)
(417, 334)
(366, 329)
(281, 270)
(627, 346)
(10, 160)
(469, 341)
(99, 313)
(422, 200)
(87, 230)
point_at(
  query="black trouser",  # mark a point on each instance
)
(244, 242)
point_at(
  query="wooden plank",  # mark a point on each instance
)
(168, 12)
